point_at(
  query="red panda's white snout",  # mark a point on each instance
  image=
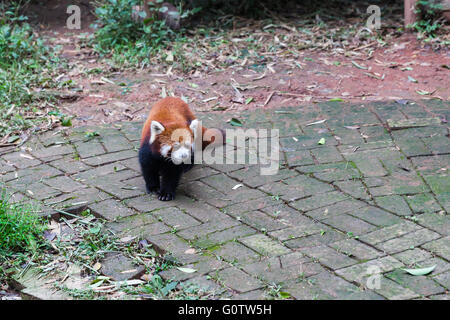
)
(179, 145)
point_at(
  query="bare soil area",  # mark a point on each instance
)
(401, 69)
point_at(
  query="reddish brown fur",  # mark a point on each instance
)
(173, 113)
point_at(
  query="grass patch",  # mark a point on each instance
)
(430, 24)
(20, 228)
(55, 247)
(127, 41)
(20, 234)
(26, 66)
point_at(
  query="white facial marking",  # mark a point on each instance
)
(165, 150)
(155, 129)
(193, 126)
(181, 154)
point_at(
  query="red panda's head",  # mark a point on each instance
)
(175, 140)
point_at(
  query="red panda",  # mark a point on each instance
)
(167, 145)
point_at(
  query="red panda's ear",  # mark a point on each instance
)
(194, 127)
(155, 129)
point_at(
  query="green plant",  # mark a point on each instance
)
(429, 13)
(65, 120)
(25, 64)
(128, 40)
(20, 228)
(273, 291)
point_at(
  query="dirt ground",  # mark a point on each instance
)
(403, 69)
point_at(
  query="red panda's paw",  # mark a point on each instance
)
(166, 196)
(152, 189)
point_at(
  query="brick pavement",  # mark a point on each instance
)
(374, 196)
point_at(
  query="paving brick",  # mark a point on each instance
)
(264, 245)
(238, 280)
(40, 191)
(349, 224)
(443, 279)
(356, 249)
(146, 203)
(325, 236)
(64, 184)
(418, 284)
(408, 241)
(175, 218)
(262, 221)
(222, 236)
(196, 173)
(137, 225)
(235, 252)
(299, 158)
(333, 172)
(361, 272)
(237, 210)
(346, 206)
(440, 297)
(79, 197)
(423, 203)
(367, 162)
(119, 268)
(173, 245)
(252, 295)
(327, 155)
(203, 192)
(318, 201)
(115, 142)
(251, 176)
(286, 215)
(375, 216)
(21, 160)
(329, 257)
(203, 266)
(89, 149)
(432, 164)
(100, 171)
(395, 204)
(282, 269)
(391, 232)
(204, 286)
(53, 152)
(375, 133)
(440, 247)
(412, 123)
(412, 256)
(441, 265)
(132, 163)
(30, 175)
(114, 185)
(400, 183)
(413, 147)
(328, 286)
(111, 209)
(393, 291)
(438, 222)
(199, 231)
(69, 165)
(198, 209)
(439, 184)
(109, 157)
(437, 144)
(355, 188)
(298, 231)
